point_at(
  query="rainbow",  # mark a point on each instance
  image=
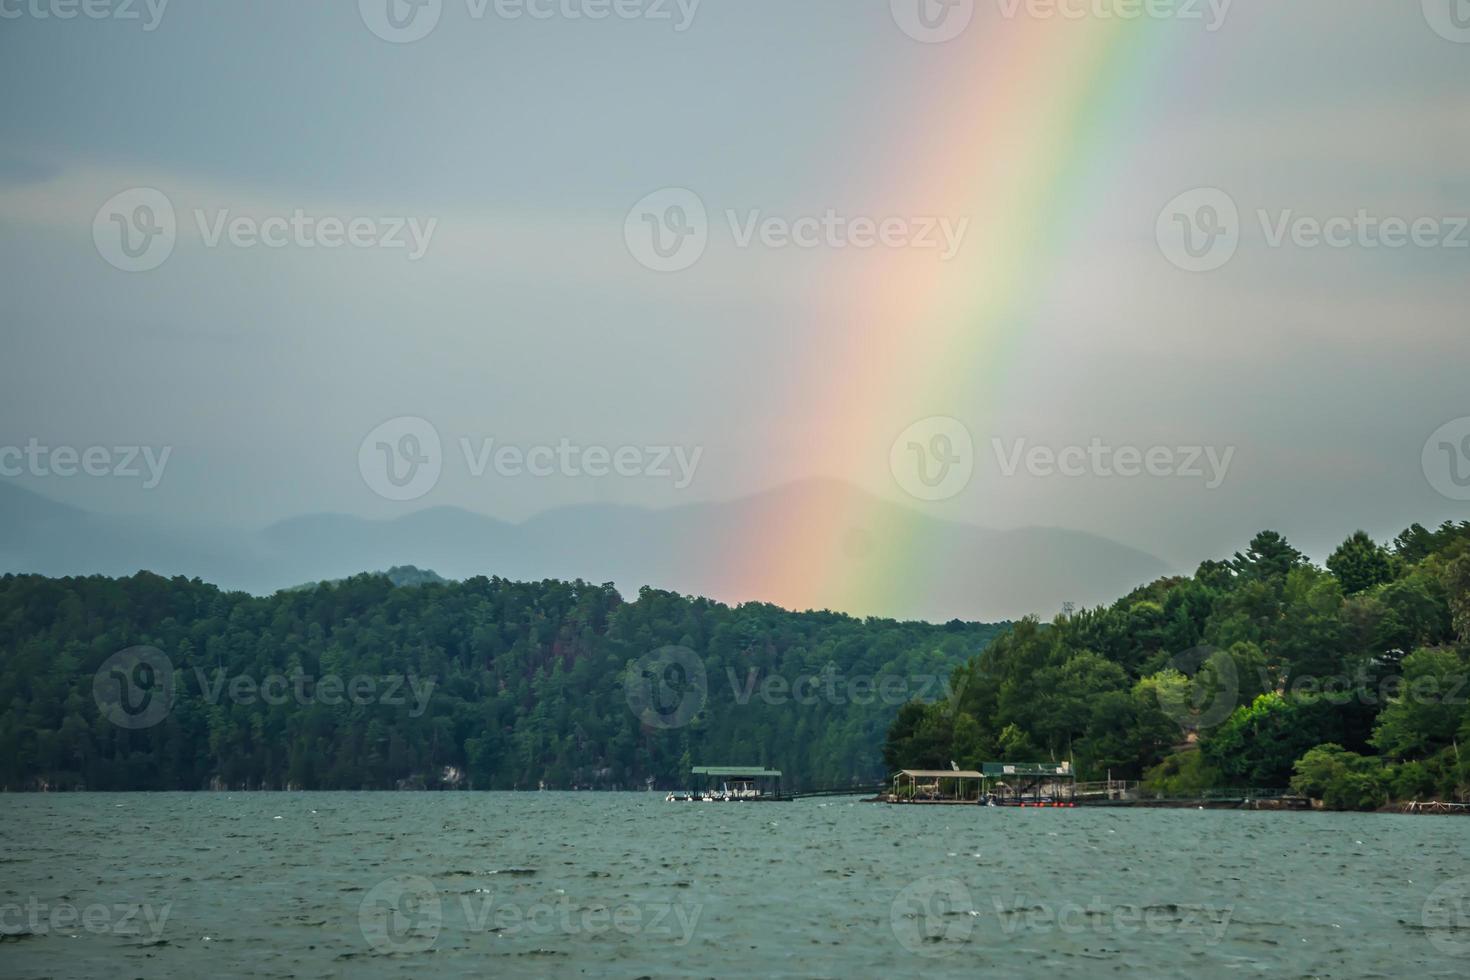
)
(1021, 123)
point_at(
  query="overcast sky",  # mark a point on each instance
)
(518, 148)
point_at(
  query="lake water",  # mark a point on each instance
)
(567, 884)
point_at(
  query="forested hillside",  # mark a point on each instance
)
(485, 684)
(1347, 682)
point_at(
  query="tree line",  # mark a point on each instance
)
(1346, 683)
(408, 681)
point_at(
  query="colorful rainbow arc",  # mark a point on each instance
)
(1025, 123)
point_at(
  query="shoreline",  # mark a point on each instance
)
(1279, 804)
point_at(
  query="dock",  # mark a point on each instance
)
(732, 784)
(1019, 784)
(1436, 807)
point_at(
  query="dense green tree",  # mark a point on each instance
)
(1427, 710)
(1360, 563)
(1268, 556)
(1230, 677)
(519, 685)
(1259, 742)
(1233, 676)
(1325, 765)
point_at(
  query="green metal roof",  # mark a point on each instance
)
(735, 771)
(1027, 769)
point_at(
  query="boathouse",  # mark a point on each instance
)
(732, 784)
(936, 786)
(994, 784)
(1030, 783)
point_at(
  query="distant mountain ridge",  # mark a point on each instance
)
(963, 571)
(403, 576)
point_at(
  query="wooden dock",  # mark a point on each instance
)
(1436, 807)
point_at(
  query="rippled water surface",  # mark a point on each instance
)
(553, 884)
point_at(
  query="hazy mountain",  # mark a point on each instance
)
(400, 575)
(947, 570)
(41, 535)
